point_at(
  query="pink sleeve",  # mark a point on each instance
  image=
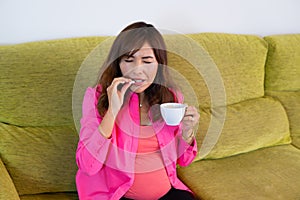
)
(186, 151)
(92, 146)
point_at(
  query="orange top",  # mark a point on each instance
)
(151, 180)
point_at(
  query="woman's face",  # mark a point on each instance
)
(141, 67)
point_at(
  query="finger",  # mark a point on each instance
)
(118, 83)
(188, 120)
(191, 120)
(125, 87)
(190, 109)
(119, 80)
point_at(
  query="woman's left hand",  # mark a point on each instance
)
(190, 120)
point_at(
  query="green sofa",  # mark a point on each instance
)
(253, 155)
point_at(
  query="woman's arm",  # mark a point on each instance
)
(96, 132)
(187, 144)
(92, 146)
(115, 99)
(186, 151)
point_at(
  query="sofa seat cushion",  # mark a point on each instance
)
(269, 173)
(39, 159)
(51, 196)
(8, 190)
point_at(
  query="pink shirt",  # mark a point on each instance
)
(106, 167)
(151, 180)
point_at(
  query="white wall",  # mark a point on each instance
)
(32, 20)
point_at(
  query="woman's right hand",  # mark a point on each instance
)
(115, 95)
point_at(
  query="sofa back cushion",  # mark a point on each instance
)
(240, 60)
(39, 159)
(245, 121)
(248, 126)
(283, 63)
(37, 80)
(283, 77)
(37, 136)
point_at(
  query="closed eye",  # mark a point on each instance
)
(128, 61)
(147, 59)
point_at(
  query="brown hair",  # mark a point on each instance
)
(129, 41)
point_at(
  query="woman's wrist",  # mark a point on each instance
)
(107, 124)
(110, 113)
(190, 136)
(103, 133)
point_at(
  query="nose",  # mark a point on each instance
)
(139, 62)
(138, 66)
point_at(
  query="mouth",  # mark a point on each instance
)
(138, 81)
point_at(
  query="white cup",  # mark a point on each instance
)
(172, 113)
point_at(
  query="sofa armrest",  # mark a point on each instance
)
(8, 190)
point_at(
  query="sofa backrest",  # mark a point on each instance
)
(240, 60)
(283, 63)
(38, 139)
(37, 80)
(251, 120)
(283, 77)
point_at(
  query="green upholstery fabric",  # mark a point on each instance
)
(283, 77)
(240, 60)
(265, 174)
(249, 125)
(58, 196)
(39, 159)
(38, 139)
(8, 190)
(283, 63)
(37, 80)
(192, 84)
(291, 102)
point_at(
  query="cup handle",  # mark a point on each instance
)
(185, 107)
